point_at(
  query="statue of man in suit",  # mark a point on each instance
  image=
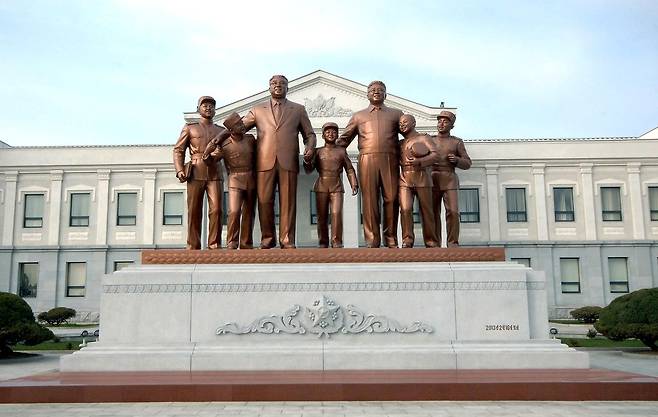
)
(452, 154)
(202, 176)
(379, 168)
(278, 123)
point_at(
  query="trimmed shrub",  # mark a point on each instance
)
(17, 324)
(56, 316)
(587, 314)
(591, 333)
(633, 315)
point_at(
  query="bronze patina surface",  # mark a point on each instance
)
(322, 255)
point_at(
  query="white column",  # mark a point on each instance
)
(635, 189)
(55, 211)
(540, 201)
(11, 177)
(102, 205)
(492, 201)
(148, 206)
(350, 215)
(589, 208)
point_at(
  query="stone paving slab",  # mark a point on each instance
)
(338, 409)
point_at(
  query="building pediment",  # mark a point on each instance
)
(328, 97)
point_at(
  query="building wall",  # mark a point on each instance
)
(536, 166)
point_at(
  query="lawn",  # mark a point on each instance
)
(72, 344)
(602, 343)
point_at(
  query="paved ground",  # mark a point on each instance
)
(339, 409)
(600, 359)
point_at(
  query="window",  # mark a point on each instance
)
(522, 261)
(611, 204)
(563, 204)
(119, 265)
(126, 209)
(415, 211)
(28, 279)
(277, 215)
(469, 205)
(225, 208)
(33, 211)
(516, 210)
(618, 271)
(314, 208)
(653, 203)
(76, 277)
(79, 210)
(570, 275)
(172, 212)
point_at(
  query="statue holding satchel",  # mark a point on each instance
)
(238, 151)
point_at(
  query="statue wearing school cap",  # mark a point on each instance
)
(330, 160)
(452, 154)
(417, 152)
(239, 152)
(202, 177)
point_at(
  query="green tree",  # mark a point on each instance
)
(56, 316)
(17, 324)
(633, 315)
(587, 314)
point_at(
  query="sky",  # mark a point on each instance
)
(81, 72)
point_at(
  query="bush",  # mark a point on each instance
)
(633, 315)
(591, 333)
(588, 314)
(56, 316)
(17, 324)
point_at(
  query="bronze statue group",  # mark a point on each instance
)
(392, 172)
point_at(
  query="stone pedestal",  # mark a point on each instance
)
(313, 316)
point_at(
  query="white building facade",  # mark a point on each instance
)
(584, 211)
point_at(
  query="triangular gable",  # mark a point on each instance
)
(652, 134)
(329, 97)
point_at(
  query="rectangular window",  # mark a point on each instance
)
(79, 210)
(277, 215)
(314, 208)
(172, 208)
(469, 205)
(28, 279)
(33, 211)
(516, 207)
(563, 204)
(618, 270)
(522, 261)
(653, 203)
(611, 204)
(225, 208)
(119, 265)
(76, 278)
(570, 275)
(126, 209)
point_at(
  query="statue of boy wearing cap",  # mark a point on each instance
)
(202, 177)
(452, 154)
(330, 160)
(239, 152)
(417, 152)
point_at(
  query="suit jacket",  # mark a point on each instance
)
(443, 172)
(377, 130)
(279, 141)
(196, 137)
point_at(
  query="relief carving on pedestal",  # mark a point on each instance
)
(324, 318)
